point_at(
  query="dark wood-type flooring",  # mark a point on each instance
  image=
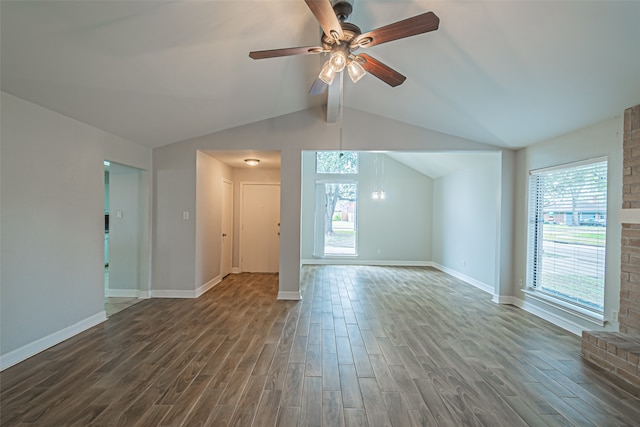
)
(376, 346)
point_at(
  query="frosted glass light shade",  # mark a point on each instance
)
(327, 74)
(338, 61)
(355, 70)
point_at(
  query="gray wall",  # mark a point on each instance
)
(174, 255)
(208, 217)
(52, 245)
(466, 220)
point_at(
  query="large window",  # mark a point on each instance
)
(567, 233)
(336, 204)
(336, 216)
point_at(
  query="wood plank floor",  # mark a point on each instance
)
(367, 346)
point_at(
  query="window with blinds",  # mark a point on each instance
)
(567, 232)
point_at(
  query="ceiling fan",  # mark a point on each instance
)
(341, 39)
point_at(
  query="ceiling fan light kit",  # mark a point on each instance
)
(327, 73)
(356, 70)
(341, 39)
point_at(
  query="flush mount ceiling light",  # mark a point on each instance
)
(341, 39)
(252, 162)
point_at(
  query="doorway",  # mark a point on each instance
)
(126, 249)
(260, 227)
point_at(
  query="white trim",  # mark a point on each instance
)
(171, 293)
(289, 295)
(355, 261)
(569, 165)
(470, 280)
(35, 347)
(207, 286)
(236, 270)
(629, 216)
(503, 299)
(562, 322)
(122, 293)
(222, 215)
(144, 294)
(567, 307)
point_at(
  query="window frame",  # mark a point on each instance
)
(535, 239)
(319, 250)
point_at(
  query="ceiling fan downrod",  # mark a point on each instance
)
(342, 9)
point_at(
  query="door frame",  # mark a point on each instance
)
(241, 225)
(229, 209)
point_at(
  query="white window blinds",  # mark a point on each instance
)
(567, 232)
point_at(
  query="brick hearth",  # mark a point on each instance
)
(620, 352)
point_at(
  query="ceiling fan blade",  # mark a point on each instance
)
(274, 53)
(323, 11)
(381, 71)
(398, 30)
(318, 87)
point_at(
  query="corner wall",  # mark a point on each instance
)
(52, 225)
(466, 222)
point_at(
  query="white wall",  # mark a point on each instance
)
(396, 230)
(52, 224)
(602, 139)
(466, 221)
(174, 255)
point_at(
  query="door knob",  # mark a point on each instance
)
(224, 234)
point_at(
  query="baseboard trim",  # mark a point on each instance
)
(236, 270)
(290, 295)
(559, 321)
(172, 293)
(348, 261)
(207, 286)
(470, 280)
(502, 299)
(18, 355)
(122, 293)
(144, 294)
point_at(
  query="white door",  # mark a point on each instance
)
(227, 227)
(260, 228)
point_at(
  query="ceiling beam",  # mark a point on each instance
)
(334, 99)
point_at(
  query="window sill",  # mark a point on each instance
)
(335, 256)
(582, 313)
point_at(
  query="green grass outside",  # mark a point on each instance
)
(579, 235)
(341, 239)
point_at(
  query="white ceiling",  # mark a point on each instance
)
(236, 158)
(508, 73)
(436, 165)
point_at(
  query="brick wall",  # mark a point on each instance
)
(619, 353)
(630, 276)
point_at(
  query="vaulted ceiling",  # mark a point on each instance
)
(508, 73)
